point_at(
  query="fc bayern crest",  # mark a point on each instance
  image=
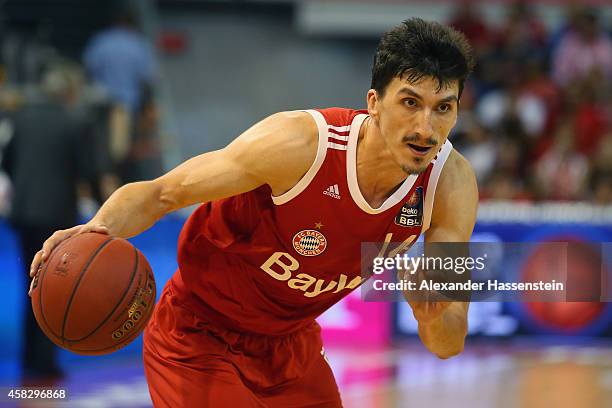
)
(309, 242)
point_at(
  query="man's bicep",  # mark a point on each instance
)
(271, 152)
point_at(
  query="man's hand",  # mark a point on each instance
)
(427, 305)
(54, 240)
(426, 312)
(443, 331)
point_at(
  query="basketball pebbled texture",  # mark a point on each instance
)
(94, 294)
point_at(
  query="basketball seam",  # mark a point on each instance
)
(127, 289)
(78, 282)
(125, 341)
(40, 288)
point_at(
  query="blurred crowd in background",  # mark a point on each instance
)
(536, 120)
(105, 93)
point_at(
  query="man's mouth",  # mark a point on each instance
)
(419, 150)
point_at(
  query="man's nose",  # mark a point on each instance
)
(424, 127)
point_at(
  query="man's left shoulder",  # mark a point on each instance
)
(456, 202)
(459, 163)
(457, 172)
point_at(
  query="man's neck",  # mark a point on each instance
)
(378, 175)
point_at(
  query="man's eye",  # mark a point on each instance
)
(444, 107)
(410, 102)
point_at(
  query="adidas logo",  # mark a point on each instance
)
(332, 191)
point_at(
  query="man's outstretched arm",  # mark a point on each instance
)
(443, 325)
(277, 151)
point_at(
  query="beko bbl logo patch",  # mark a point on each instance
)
(411, 213)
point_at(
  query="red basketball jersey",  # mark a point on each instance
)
(270, 265)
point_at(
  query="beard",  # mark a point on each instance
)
(416, 169)
(413, 171)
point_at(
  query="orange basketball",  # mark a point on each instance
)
(94, 294)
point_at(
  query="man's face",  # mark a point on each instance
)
(414, 119)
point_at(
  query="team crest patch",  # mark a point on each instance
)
(309, 242)
(411, 213)
(415, 197)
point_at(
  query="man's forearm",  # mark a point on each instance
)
(445, 336)
(131, 209)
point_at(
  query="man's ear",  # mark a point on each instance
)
(373, 101)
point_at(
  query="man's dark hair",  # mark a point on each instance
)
(417, 49)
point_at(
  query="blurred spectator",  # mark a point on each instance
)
(5, 194)
(591, 119)
(601, 185)
(477, 145)
(603, 157)
(523, 34)
(561, 174)
(8, 103)
(572, 18)
(501, 186)
(513, 100)
(581, 50)
(24, 55)
(512, 150)
(144, 159)
(467, 20)
(510, 172)
(121, 60)
(537, 83)
(45, 158)
(601, 174)
(94, 112)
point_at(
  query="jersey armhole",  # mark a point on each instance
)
(316, 165)
(433, 183)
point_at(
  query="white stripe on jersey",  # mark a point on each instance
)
(340, 128)
(337, 137)
(336, 146)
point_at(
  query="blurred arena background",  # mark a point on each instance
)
(535, 122)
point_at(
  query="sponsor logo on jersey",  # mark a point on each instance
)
(332, 191)
(411, 213)
(309, 242)
(285, 268)
(281, 266)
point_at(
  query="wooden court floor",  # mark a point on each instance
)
(488, 374)
(485, 375)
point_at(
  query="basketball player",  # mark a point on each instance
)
(277, 241)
